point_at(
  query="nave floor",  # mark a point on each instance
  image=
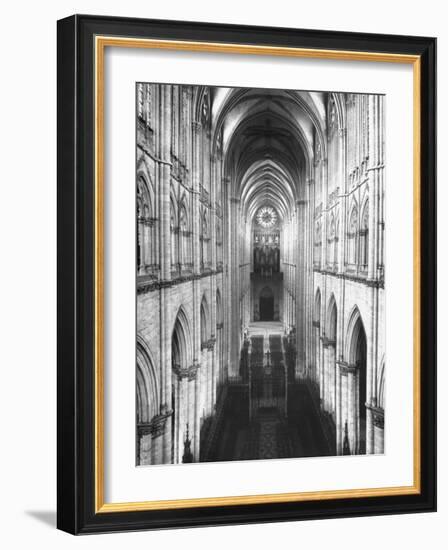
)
(270, 434)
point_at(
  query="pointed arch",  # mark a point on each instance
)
(355, 328)
(316, 351)
(364, 235)
(205, 240)
(329, 358)
(219, 316)
(356, 356)
(145, 237)
(317, 243)
(205, 321)
(147, 388)
(185, 244)
(331, 239)
(336, 241)
(352, 233)
(381, 390)
(181, 340)
(339, 106)
(174, 232)
(331, 320)
(317, 306)
(145, 195)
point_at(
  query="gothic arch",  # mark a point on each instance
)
(184, 218)
(205, 320)
(353, 218)
(145, 195)
(147, 390)
(174, 209)
(332, 227)
(331, 239)
(365, 214)
(145, 237)
(182, 355)
(185, 252)
(340, 109)
(354, 327)
(219, 317)
(316, 351)
(352, 233)
(174, 230)
(356, 355)
(201, 93)
(143, 172)
(364, 234)
(381, 390)
(317, 305)
(331, 320)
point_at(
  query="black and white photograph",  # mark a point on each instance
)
(260, 273)
(220, 287)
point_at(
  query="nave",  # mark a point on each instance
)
(260, 274)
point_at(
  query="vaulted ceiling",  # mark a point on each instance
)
(268, 142)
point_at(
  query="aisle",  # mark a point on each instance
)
(270, 435)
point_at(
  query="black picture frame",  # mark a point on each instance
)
(76, 286)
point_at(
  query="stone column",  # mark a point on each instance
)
(378, 423)
(197, 411)
(212, 374)
(331, 350)
(323, 261)
(322, 354)
(352, 412)
(158, 429)
(309, 281)
(234, 287)
(196, 230)
(164, 170)
(213, 283)
(300, 259)
(185, 409)
(372, 169)
(338, 398)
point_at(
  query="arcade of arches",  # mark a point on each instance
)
(260, 274)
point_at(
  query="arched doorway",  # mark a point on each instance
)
(266, 304)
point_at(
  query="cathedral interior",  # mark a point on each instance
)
(260, 274)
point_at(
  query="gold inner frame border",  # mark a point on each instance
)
(100, 44)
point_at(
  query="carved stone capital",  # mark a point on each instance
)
(327, 342)
(211, 343)
(377, 416)
(378, 419)
(158, 424)
(346, 368)
(197, 126)
(186, 372)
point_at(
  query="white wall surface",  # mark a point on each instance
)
(28, 273)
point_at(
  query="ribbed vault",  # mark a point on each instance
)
(268, 138)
